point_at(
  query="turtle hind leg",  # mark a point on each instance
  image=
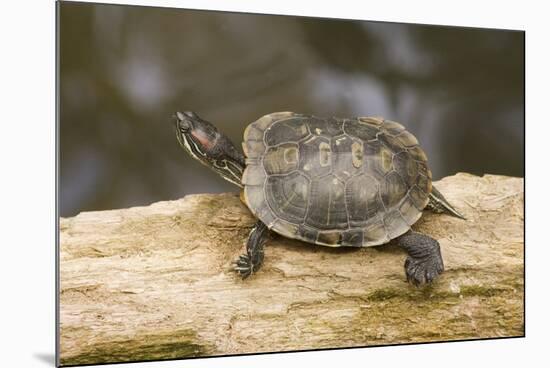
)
(251, 261)
(439, 204)
(424, 262)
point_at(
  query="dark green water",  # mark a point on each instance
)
(125, 70)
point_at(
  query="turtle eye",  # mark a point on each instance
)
(184, 126)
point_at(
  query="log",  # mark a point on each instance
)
(156, 282)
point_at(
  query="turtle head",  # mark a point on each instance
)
(202, 141)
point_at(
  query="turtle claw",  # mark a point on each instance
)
(423, 270)
(243, 266)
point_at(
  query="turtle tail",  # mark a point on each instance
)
(439, 204)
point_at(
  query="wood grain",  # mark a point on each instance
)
(156, 282)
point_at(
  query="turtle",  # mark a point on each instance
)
(350, 182)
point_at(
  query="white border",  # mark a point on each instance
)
(27, 189)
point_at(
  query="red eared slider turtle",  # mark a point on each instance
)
(355, 182)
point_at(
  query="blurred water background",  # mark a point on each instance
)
(125, 70)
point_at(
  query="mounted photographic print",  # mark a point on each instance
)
(233, 183)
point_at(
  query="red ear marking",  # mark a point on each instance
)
(204, 140)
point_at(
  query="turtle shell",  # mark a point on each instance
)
(335, 182)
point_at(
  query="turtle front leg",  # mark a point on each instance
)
(424, 262)
(250, 262)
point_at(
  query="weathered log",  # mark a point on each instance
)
(156, 282)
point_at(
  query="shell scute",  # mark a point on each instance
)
(392, 128)
(281, 159)
(287, 196)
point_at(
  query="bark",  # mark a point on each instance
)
(156, 282)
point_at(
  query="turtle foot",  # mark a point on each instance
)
(243, 266)
(424, 262)
(423, 270)
(251, 261)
